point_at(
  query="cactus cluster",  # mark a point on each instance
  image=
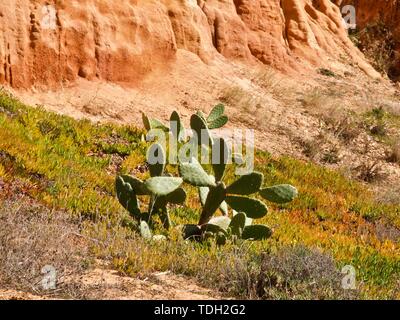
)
(161, 188)
(233, 200)
(215, 195)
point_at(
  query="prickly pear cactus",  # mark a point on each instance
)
(200, 128)
(224, 229)
(214, 200)
(221, 155)
(256, 232)
(193, 173)
(238, 224)
(254, 208)
(163, 186)
(247, 184)
(215, 195)
(156, 160)
(145, 231)
(280, 194)
(217, 119)
(150, 124)
(127, 197)
(176, 127)
(163, 189)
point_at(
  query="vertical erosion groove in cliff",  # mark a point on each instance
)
(46, 43)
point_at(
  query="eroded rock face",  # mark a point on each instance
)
(387, 12)
(51, 42)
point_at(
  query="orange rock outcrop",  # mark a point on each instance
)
(49, 43)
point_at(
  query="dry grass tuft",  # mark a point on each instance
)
(311, 147)
(315, 99)
(370, 172)
(32, 237)
(389, 197)
(268, 79)
(239, 97)
(394, 154)
(301, 273)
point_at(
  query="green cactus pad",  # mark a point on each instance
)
(145, 216)
(157, 124)
(212, 228)
(150, 124)
(177, 197)
(145, 230)
(238, 224)
(199, 125)
(256, 232)
(216, 112)
(157, 169)
(179, 131)
(247, 184)
(220, 238)
(146, 122)
(127, 197)
(137, 185)
(162, 186)
(214, 199)
(253, 208)
(222, 155)
(218, 123)
(191, 231)
(280, 194)
(203, 193)
(193, 173)
(249, 221)
(158, 203)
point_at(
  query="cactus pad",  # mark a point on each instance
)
(283, 193)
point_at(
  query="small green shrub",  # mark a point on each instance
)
(326, 72)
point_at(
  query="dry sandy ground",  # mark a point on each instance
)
(105, 284)
(32, 236)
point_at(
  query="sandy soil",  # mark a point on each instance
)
(106, 284)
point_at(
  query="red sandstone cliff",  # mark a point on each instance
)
(50, 42)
